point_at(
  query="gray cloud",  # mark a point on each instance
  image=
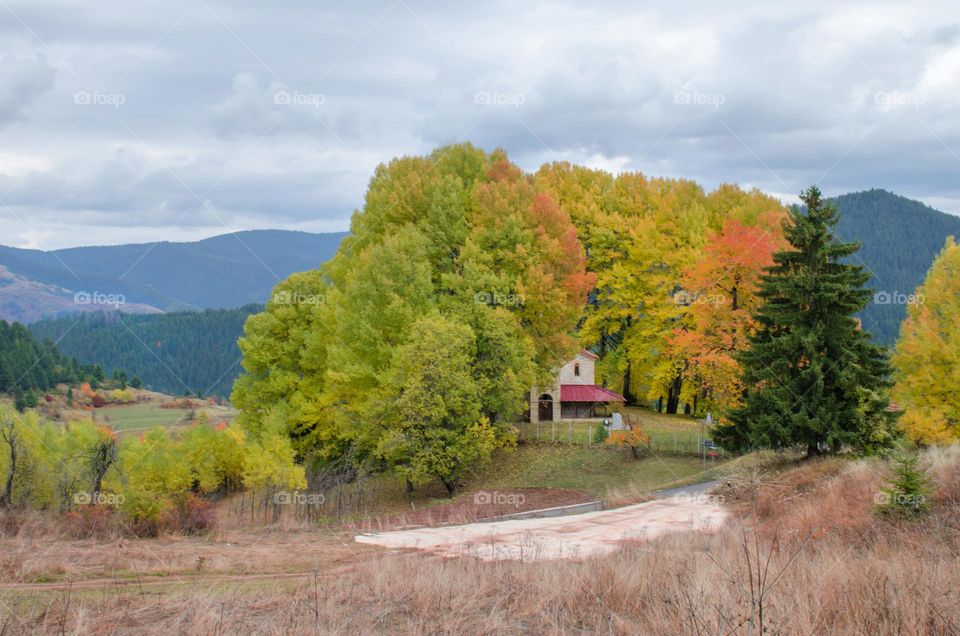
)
(184, 119)
(22, 81)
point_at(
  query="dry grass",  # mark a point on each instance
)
(805, 551)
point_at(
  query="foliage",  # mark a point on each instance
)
(908, 490)
(720, 290)
(633, 438)
(927, 359)
(461, 241)
(641, 236)
(600, 433)
(813, 377)
(151, 479)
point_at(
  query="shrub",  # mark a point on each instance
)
(908, 489)
(600, 433)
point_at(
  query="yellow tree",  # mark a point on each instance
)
(927, 358)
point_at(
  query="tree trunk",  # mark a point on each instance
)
(7, 499)
(451, 486)
(673, 396)
(628, 396)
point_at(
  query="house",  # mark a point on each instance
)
(575, 394)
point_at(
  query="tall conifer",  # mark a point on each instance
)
(814, 379)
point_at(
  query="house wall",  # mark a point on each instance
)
(587, 371)
(535, 393)
(565, 376)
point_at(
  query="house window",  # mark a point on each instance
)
(576, 369)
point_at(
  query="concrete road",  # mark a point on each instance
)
(574, 536)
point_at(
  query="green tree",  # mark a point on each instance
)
(461, 236)
(813, 377)
(429, 407)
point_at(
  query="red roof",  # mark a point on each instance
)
(588, 393)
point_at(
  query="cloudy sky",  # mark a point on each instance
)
(134, 121)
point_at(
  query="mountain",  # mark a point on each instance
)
(219, 272)
(172, 353)
(24, 300)
(899, 239)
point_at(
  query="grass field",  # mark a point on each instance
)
(600, 470)
(146, 415)
(668, 433)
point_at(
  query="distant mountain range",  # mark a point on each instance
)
(899, 239)
(224, 271)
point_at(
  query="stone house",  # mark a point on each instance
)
(575, 395)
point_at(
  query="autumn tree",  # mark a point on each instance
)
(927, 358)
(462, 236)
(641, 236)
(813, 377)
(720, 293)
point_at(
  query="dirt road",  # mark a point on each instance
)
(562, 537)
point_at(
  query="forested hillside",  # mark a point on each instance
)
(899, 240)
(171, 353)
(27, 365)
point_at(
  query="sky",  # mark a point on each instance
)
(131, 121)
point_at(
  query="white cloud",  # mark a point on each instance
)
(275, 114)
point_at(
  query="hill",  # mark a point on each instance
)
(219, 272)
(899, 239)
(27, 365)
(171, 353)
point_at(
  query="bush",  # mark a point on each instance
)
(92, 522)
(600, 433)
(908, 489)
(191, 515)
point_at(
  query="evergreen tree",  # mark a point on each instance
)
(813, 377)
(908, 489)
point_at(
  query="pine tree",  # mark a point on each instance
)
(908, 489)
(813, 377)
